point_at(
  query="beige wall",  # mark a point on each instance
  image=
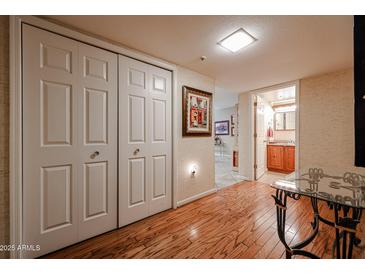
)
(228, 140)
(193, 150)
(4, 132)
(326, 106)
(284, 135)
(244, 140)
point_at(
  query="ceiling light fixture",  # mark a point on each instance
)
(237, 40)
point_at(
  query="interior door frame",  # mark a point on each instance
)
(254, 98)
(15, 142)
(252, 123)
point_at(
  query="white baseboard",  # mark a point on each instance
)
(243, 178)
(196, 197)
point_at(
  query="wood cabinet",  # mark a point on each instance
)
(289, 158)
(281, 158)
(275, 157)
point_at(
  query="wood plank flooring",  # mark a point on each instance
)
(237, 222)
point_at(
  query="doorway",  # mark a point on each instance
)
(226, 139)
(275, 132)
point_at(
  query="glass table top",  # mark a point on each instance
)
(333, 185)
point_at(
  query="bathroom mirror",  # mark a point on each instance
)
(285, 120)
(290, 120)
(279, 121)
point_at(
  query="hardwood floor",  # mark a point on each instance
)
(237, 222)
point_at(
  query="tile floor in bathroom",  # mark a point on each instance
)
(224, 176)
(270, 177)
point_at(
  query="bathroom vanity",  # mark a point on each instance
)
(281, 157)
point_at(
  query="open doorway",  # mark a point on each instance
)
(275, 113)
(226, 139)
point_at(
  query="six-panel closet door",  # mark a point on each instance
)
(69, 141)
(145, 163)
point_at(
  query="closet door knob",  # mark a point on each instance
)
(96, 153)
(136, 151)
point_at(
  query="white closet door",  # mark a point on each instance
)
(69, 113)
(144, 140)
(50, 149)
(160, 195)
(97, 138)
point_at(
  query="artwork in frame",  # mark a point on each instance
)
(221, 127)
(233, 131)
(232, 120)
(197, 112)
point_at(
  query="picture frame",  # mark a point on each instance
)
(221, 127)
(196, 112)
(233, 120)
(233, 131)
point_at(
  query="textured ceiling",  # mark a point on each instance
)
(288, 47)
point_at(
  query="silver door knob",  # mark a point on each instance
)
(96, 153)
(136, 151)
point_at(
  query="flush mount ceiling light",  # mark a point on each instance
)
(237, 40)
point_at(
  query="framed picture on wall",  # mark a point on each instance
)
(197, 112)
(233, 122)
(233, 131)
(221, 127)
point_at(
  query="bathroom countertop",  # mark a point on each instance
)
(281, 144)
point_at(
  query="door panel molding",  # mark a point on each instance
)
(59, 197)
(95, 190)
(56, 130)
(159, 176)
(136, 173)
(95, 108)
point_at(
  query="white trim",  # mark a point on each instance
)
(251, 121)
(175, 133)
(196, 197)
(15, 142)
(16, 109)
(297, 125)
(251, 140)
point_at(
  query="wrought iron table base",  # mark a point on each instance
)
(345, 227)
